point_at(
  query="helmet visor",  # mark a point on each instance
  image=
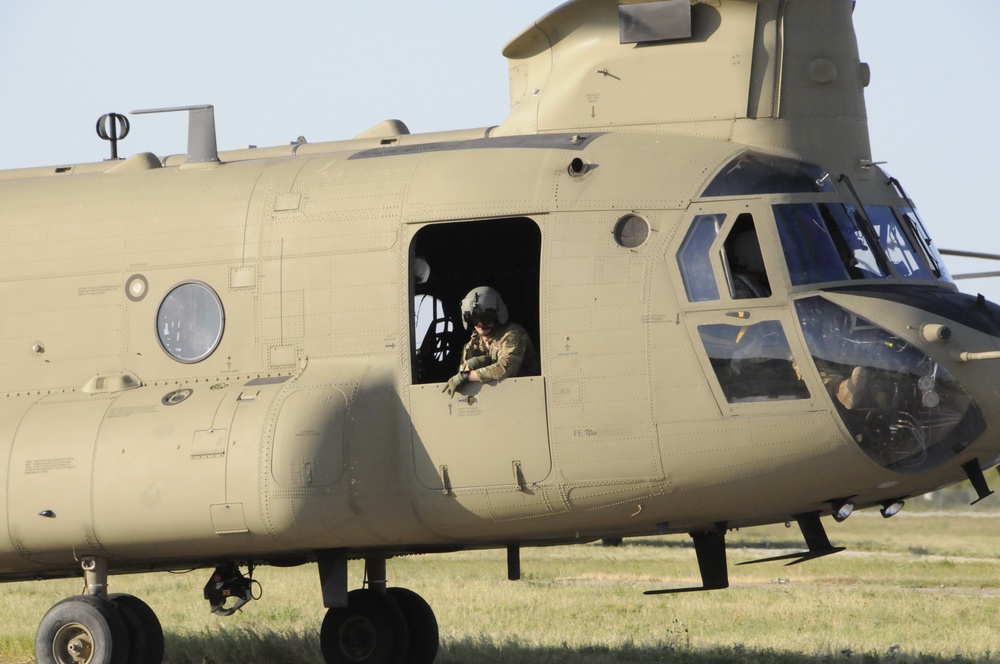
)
(473, 318)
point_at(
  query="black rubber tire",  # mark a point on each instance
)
(369, 630)
(421, 624)
(145, 634)
(82, 628)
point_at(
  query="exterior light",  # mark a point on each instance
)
(842, 509)
(892, 508)
(935, 332)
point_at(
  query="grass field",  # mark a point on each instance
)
(920, 587)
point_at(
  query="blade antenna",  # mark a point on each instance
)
(816, 539)
(202, 145)
(710, 548)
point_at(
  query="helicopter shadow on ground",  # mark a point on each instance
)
(477, 651)
(287, 648)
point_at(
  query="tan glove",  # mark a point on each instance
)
(456, 382)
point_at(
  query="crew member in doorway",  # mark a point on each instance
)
(498, 348)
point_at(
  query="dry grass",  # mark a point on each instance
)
(916, 588)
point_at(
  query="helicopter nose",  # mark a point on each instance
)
(904, 408)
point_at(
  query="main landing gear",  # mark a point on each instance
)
(374, 625)
(97, 628)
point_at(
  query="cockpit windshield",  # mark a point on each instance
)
(912, 221)
(897, 244)
(825, 243)
(836, 242)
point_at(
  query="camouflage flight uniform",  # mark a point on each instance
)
(509, 347)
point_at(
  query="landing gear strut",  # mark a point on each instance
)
(380, 625)
(372, 625)
(96, 628)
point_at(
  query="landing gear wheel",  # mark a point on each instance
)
(82, 630)
(421, 623)
(369, 630)
(145, 634)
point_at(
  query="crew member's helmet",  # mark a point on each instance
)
(483, 303)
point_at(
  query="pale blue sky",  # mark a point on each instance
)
(329, 69)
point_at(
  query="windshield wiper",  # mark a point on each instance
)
(868, 228)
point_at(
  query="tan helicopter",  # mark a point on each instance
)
(242, 358)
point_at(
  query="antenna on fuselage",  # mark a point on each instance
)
(816, 539)
(112, 127)
(710, 547)
(202, 146)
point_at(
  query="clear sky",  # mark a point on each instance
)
(329, 69)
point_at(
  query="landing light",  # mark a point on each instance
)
(892, 508)
(842, 509)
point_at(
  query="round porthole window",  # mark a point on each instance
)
(190, 321)
(631, 231)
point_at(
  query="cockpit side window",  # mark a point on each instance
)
(753, 363)
(745, 262)
(695, 261)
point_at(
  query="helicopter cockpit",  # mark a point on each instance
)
(826, 242)
(905, 410)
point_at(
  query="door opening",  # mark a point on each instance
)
(447, 261)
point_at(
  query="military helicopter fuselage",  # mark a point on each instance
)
(237, 358)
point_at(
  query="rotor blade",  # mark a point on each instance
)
(976, 275)
(970, 254)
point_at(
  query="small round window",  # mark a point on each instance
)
(631, 231)
(190, 321)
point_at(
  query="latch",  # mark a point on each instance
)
(445, 480)
(519, 476)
